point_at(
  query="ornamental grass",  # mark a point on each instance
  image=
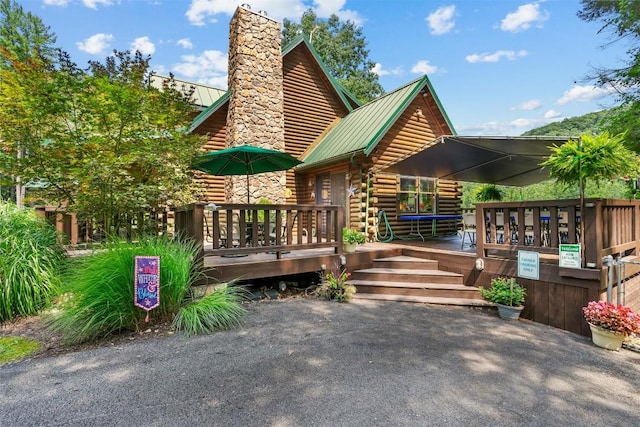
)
(31, 259)
(100, 290)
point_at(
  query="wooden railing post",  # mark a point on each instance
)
(593, 232)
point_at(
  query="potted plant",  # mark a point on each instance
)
(610, 324)
(507, 295)
(351, 238)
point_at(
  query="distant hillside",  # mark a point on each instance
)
(574, 126)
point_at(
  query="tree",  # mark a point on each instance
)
(342, 48)
(105, 142)
(622, 19)
(591, 158)
(22, 36)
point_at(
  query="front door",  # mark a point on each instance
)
(331, 190)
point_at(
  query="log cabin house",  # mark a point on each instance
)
(285, 99)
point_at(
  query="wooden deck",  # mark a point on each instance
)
(267, 264)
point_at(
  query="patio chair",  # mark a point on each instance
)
(500, 227)
(528, 228)
(469, 228)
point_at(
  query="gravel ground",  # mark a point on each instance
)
(302, 362)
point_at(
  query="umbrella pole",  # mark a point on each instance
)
(248, 194)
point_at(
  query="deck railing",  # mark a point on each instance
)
(611, 227)
(235, 229)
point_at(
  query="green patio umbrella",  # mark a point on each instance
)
(245, 160)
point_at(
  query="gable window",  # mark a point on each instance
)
(416, 195)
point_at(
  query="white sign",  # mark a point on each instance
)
(529, 265)
(570, 256)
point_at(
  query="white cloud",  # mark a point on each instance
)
(496, 56)
(202, 12)
(93, 4)
(56, 2)
(185, 43)
(552, 114)
(377, 69)
(423, 67)
(96, 44)
(584, 94)
(210, 67)
(524, 18)
(441, 21)
(532, 104)
(144, 45)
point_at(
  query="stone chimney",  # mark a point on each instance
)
(256, 104)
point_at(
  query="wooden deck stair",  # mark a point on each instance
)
(410, 279)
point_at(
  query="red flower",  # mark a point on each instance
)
(615, 318)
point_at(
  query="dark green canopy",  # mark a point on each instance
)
(245, 160)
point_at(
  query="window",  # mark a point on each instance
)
(416, 195)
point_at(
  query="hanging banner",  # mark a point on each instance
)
(147, 283)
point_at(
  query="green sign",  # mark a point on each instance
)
(570, 256)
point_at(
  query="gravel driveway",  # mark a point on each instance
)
(305, 362)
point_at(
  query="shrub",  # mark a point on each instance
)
(335, 287)
(505, 291)
(221, 309)
(31, 258)
(101, 290)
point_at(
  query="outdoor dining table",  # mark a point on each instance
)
(434, 218)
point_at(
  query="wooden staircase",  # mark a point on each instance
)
(410, 279)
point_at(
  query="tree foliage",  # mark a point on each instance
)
(343, 49)
(591, 158)
(620, 18)
(103, 141)
(23, 34)
(594, 123)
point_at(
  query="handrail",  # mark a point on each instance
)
(611, 227)
(245, 229)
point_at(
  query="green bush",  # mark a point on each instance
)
(31, 258)
(221, 309)
(505, 291)
(101, 286)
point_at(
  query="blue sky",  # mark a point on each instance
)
(499, 67)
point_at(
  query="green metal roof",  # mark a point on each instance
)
(203, 95)
(364, 127)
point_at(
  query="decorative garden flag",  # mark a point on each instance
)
(147, 283)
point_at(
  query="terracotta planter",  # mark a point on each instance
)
(508, 312)
(605, 338)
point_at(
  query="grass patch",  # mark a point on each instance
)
(15, 348)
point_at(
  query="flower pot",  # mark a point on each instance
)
(509, 312)
(349, 247)
(605, 338)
